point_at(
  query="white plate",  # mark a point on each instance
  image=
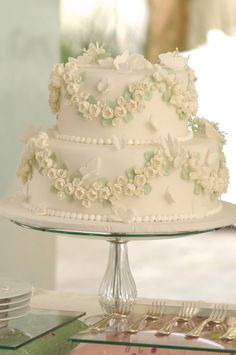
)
(17, 212)
(12, 309)
(14, 301)
(16, 314)
(10, 288)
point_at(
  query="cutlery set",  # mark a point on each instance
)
(156, 319)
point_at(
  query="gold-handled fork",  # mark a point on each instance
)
(230, 334)
(103, 323)
(217, 316)
(187, 311)
(154, 311)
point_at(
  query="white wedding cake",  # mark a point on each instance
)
(127, 145)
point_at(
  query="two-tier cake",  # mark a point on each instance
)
(127, 145)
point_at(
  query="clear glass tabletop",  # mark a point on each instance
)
(209, 340)
(34, 325)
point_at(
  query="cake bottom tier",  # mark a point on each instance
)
(133, 184)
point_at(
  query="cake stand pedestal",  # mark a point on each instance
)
(117, 292)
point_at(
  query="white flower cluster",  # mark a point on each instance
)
(172, 77)
(54, 87)
(202, 127)
(135, 182)
(175, 80)
(92, 55)
(208, 180)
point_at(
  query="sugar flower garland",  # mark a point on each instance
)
(166, 77)
(135, 182)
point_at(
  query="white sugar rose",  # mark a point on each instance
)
(120, 111)
(107, 112)
(103, 86)
(140, 180)
(94, 111)
(72, 88)
(122, 180)
(41, 141)
(76, 182)
(138, 95)
(117, 189)
(129, 189)
(79, 193)
(52, 173)
(173, 60)
(86, 203)
(69, 189)
(84, 106)
(116, 121)
(59, 184)
(97, 185)
(105, 193)
(131, 105)
(61, 195)
(84, 95)
(92, 194)
(121, 101)
(62, 173)
(58, 69)
(55, 80)
(138, 62)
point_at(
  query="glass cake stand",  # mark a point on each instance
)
(117, 292)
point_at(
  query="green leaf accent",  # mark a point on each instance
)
(83, 75)
(75, 174)
(128, 117)
(166, 97)
(110, 103)
(213, 196)
(148, 155)
(185, 173)
(53, 189)
(63, 166)
(148, 95)
(54, 157)
(103, 180)
(147, 188)
(197, 189)
(70, 198)
(130, 173)
(106, 203)
(34, 162)
(127, 95)
(106, 123)
(92, 99)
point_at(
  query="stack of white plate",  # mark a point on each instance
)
(15, 297)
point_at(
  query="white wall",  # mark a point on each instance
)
(29, 43)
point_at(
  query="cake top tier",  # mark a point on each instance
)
(95, 93)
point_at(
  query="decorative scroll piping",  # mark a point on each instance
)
(166, 77)
(135, 182)
(109, 141)
(46, 211)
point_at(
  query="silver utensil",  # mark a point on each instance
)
(230, 334)
(102, 324)
(186, 313)
(217, 316)
(154, 311)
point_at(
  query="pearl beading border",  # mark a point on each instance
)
(40, 211)
(109, 141)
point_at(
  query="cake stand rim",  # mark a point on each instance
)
(18, 213)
